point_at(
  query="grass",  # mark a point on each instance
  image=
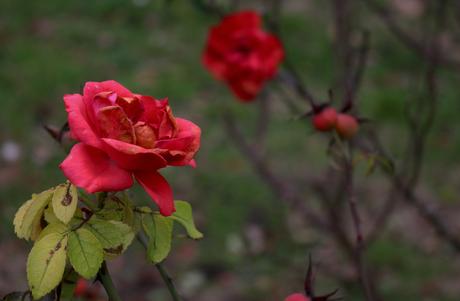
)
(50, 48)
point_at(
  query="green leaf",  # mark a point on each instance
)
(46, 264)
(114, 236)
(65, 201)
(118, 208)
(27, 221)
(184, 216)
(159, 230)
(143, 210)
(57, 228)
(85, 252)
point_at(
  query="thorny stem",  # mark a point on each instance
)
(168, 281)
(163, 273)
(106, 280)
(359, 249)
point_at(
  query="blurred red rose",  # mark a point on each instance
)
(122, 135)
(242, 54)
(81, 287)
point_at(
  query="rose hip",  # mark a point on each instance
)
(346, 125)
(325, 120)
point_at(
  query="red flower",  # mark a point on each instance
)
(81, 287)
(122, 135)
(240, 53)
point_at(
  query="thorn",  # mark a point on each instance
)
(326, 297)
(309, 279)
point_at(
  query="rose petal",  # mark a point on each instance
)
(272, 54)
(192, 163)
(133, 157)
(91, 89)
(91, 169)
(153, 110)
(187, 142)
(78, 121)
(246, 89)
(113, 123)
(158, 189)
(241, 20)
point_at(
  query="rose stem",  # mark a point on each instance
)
(106, 280)
(166, 278)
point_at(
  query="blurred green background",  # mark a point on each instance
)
(255, 247)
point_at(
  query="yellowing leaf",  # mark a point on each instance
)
(65, 200)
(85, 252)
(184, 216)
(159, 230)
(114, 236)
(28, 217)
(46, 264)
(57, 228)
(49, 215)
(18, 221)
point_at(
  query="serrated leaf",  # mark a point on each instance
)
(184, 216)
(27, 219)
(65, 201)
(159, 230)
(58, 228)
(85, 252)
(118, 209)
(46, 264)
(114, 236)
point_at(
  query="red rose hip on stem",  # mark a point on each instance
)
(346, 125)
(325, 120)
(297, 297)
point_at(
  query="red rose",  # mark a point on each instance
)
(122, 135)
(240, 53)
(81, 287)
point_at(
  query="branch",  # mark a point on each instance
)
(265, 173)
(164, 275)
(355, 80)
(106, 280)
(406, 38)
(359, 250)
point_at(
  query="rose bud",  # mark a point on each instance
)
(325, 120)
(297, 297)
(240, 53)
(346, 125)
